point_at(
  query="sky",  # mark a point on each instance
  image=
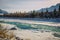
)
(26, 5)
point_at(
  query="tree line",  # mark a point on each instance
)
(34, 14)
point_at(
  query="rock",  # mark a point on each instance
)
(13, 28)
(17, 38)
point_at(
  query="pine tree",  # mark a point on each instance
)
(46, 10)
(59, 8)
(59, 12)
(42, 13)
(55, 12)
(33, 14)
(46, 14)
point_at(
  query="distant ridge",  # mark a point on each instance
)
(50, 9)
(3, 11)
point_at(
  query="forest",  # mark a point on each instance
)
(34, 14)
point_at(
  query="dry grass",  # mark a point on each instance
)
(4, 34)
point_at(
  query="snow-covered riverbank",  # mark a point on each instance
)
(31, 34)
(35, 22)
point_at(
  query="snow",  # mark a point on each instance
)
(49, 22)
(30, 34)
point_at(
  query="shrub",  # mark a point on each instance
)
(4, 34)
(56, 35)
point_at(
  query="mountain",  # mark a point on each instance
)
(3, 12)
(50, 9)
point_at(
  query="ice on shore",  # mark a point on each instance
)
(34, 22)
(31, 34)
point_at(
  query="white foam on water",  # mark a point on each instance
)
(32, 22)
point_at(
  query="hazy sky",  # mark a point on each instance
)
(26, 5)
